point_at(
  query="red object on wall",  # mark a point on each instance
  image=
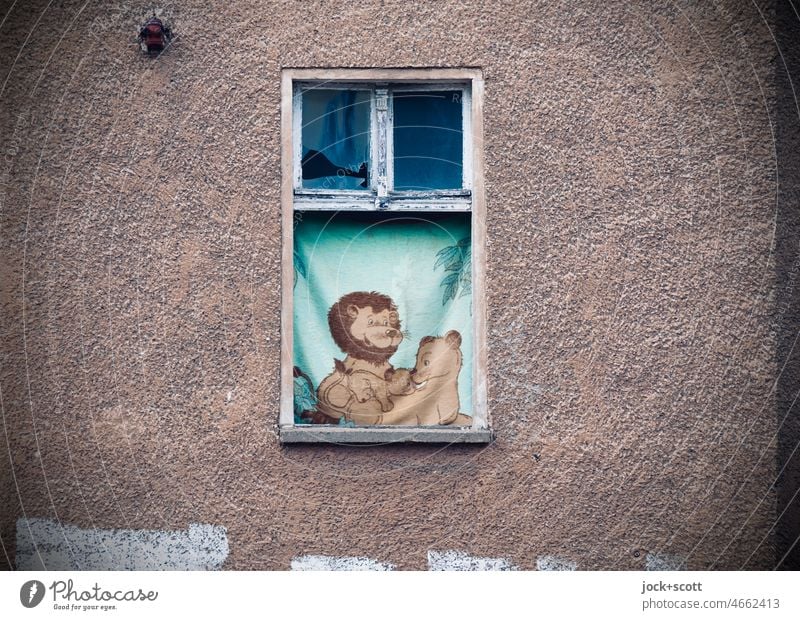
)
(155, 35)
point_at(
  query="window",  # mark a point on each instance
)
(383, 311)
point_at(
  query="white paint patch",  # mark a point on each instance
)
(45, 544)
(664, 561)
(458, 560)
(328, 562)
(553, 563)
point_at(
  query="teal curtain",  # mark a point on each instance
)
(420, 260)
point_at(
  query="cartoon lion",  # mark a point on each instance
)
(366, 327)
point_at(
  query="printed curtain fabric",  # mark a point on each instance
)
(382, 318)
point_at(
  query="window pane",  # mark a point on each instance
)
(335, 139)
(427, 140)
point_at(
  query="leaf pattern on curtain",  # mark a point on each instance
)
(299, 267)
(457, 262)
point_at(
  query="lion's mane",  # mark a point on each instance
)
(340, 322)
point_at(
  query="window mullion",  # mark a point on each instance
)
(390, 143)
(381, 131)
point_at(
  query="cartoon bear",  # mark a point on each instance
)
(434, 400)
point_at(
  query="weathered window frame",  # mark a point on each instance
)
(382, 198)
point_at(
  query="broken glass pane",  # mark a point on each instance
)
(335, 139)
(427, 140)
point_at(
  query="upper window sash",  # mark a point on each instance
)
(298, 124)
(380, 192)
(463, 93)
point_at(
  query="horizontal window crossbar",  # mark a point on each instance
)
(431, 195)
(337, 204)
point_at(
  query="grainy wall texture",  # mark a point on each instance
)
(642, 284)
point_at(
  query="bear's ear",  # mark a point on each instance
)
(453, 339)
(426, 340)
(352, 311)
(338, 365)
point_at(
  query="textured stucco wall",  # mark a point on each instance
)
(633, 283)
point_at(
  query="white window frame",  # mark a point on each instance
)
(380, 197)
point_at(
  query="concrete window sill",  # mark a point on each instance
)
(383, 434)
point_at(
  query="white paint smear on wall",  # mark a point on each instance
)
(328, 562)
(460, 561)
(45, 544)
(664, 561)
(554, 563)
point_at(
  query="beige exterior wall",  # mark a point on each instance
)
(633, 327)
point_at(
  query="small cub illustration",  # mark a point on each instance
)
(363, 392)
(399, 381)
